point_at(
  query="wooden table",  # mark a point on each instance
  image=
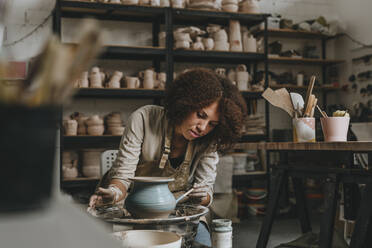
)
(338, 154)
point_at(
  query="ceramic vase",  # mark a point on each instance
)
(235, 36)
(115, 80)
(249, 43)
(208, 43)
(150, 198)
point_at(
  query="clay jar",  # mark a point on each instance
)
(249, 43)
(220, 41)
(95, 78)
(132, 82)
(235, 36)
(70, 127)
(83, 81)
(150, 198)
(114, 124)
(249, 6)
(148, 79)
(208, 43)
(115, 80)
(95, 125)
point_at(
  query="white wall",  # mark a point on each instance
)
(357, 20)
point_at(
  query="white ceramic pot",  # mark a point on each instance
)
(242, 85)
(249, 43)
(220, 35)
(71, 127)
(235, 36)
(178, 4)
(208, 43)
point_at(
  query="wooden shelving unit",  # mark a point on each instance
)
(157, 16)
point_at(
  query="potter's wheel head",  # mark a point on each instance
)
(152, 179)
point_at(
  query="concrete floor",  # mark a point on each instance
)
(245, 234)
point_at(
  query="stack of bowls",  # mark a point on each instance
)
(114, 124)
(95, 125)
(92, 162)
(230, 5)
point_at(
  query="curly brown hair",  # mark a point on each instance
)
(198, 88)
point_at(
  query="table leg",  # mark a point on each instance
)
(328, 218)
(278, 179)
(301, 205)
(362, 231)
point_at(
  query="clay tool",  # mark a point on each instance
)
(321, 112)
(184, 195)
(309, 91)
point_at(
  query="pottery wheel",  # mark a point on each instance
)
(181, 214)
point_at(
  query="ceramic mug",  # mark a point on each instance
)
(304, 129)
(132, 82)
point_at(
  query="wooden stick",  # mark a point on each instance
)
(309, 91)
(321, 112)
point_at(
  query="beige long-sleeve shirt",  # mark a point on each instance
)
(143, 141)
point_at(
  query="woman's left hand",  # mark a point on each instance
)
(200, 194)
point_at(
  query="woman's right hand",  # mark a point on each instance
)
(102, 197)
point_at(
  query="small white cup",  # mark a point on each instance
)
(300, 79)
(132, 82)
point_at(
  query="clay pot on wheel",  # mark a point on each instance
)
(151, 198)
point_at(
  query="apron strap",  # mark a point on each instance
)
(167, 148)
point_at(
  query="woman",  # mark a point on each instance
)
(203, 115)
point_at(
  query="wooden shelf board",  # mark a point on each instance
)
(288, 60)
(110, 11)
(291, 33)
(119, 93)
(216, 56)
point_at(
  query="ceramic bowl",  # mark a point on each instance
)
(116, 130)
(230, 8)
(94, 120)
(96, 130)
(148, 239)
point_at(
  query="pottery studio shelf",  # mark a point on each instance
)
(293, 34)
(198, 17)
(87, 141)
(304, 61)
(118, 93)
(107, 11)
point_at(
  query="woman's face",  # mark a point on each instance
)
(199, 123)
